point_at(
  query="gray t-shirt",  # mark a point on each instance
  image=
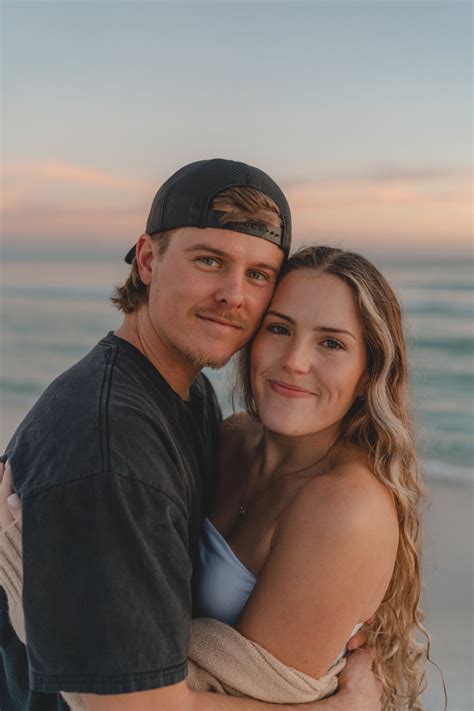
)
(115, 473)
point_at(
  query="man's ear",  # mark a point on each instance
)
(144, 254)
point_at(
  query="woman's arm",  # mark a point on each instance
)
(331, 561)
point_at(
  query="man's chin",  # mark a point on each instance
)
(202, 359)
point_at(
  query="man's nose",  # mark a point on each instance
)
(230, 292)
(297, 359)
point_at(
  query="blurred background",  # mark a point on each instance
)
(361, 111)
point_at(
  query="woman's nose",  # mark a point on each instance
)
(297, 359)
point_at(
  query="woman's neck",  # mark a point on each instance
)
(284, 454)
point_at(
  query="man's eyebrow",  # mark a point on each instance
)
(268, 267)
(206, 248)
(320, 329)
(203, 247)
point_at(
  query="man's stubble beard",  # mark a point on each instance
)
(197, 357)
(200, 360)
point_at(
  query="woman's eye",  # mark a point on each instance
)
(278, 329)
(332, 344)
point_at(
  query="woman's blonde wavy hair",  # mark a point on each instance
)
(380, 425)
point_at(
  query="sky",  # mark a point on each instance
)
(361, 111)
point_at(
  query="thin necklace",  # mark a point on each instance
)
(243, 507)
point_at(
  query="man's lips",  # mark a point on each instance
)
(287, 390)
(221, 322)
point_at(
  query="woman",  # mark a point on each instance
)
(315, 527)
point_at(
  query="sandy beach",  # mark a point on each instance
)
(448, 592)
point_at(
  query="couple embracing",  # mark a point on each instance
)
(151, 531)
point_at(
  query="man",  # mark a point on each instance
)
(114, 464)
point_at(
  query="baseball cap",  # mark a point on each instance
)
(184, 201)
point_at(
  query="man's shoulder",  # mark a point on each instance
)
(65, 433)
(110, 411)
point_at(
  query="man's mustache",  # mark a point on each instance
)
(225, 316)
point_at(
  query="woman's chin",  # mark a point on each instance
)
(285, 425)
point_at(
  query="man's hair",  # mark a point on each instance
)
(238, 205)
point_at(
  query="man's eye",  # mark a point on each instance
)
(332, 344)
(258, 276)
(208, 261)
(278, 329)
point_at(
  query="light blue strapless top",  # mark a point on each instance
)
(222, 583)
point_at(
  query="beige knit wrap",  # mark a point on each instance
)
(220, 659)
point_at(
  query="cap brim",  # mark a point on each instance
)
(130, 255)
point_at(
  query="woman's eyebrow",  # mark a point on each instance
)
(324, 329)
(279, 315)
(328, 329)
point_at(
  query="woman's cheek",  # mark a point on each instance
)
(346, 390)
(262, 355)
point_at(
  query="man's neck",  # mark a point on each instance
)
(138, 330)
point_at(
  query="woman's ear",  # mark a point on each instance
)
(144, 254)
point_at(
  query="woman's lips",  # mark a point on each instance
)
(287, 390)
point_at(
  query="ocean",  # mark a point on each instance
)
(54, 310)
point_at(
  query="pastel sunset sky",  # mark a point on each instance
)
(362, 111)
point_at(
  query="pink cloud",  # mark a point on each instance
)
(428, 208)
(413, 187)
(69, 223)
(60, 172)
(59, 201)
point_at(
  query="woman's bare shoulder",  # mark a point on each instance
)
(344, 519)
(348, 498)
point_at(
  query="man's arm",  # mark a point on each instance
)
(359, 690)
